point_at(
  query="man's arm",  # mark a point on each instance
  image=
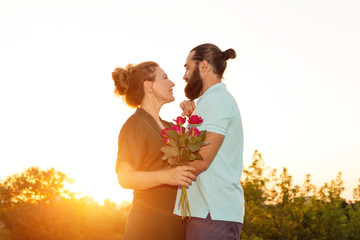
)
(208, 152)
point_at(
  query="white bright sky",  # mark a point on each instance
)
(296, 80)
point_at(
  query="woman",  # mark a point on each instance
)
(139, 165)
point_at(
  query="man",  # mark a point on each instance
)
(216, 197)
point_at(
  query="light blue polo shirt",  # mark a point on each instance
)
(217, 190)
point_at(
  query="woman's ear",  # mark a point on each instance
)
(148, 86)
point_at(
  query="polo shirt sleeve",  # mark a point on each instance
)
(216, 112)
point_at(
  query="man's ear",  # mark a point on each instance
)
(148, 86)
(204, 66)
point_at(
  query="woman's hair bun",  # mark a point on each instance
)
(229, 54)
(121, 79)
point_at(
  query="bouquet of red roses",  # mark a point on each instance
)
(181, 148)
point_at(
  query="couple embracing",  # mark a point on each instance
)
(213, 184)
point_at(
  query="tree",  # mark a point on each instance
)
(257, 221)
(275, 209)
(36, 206)
(32, 186)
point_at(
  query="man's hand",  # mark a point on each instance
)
(188, 108)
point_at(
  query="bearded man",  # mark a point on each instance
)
(216, 198)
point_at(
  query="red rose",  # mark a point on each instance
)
(180, 130)
(163, 132)
(194, 132)
(180, 121)
(164, 135)
(195, 119)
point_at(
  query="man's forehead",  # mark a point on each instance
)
(189, 58)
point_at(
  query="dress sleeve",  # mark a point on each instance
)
(131, 146)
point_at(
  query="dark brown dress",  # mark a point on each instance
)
(151, 214)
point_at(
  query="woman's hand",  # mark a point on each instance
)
(188, 107)
(180, 176)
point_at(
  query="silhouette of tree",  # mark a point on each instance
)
(35, 205)
(33, 185)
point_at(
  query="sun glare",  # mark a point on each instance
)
(116, 194)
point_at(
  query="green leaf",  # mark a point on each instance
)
(198, 156)
(184, 155)
(203, 135)
(172, 142)
(193, 147)
(173, 134)
(192, 157)
(183, 139)
(203, 144)
(172, 161)
(170, 151)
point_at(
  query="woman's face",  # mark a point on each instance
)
(163, 87)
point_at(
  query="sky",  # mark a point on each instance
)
(296, 80)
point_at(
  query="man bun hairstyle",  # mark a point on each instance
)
(129, 81)
(229, 54)
(214, 56)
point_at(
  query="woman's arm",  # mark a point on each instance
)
(131, 178)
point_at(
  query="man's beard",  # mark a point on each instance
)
(194, 86)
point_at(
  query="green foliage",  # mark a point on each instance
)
(173, 134)
(33, 185)
(35, 205)
(356, 192)
(277, 209)
(354, 222)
